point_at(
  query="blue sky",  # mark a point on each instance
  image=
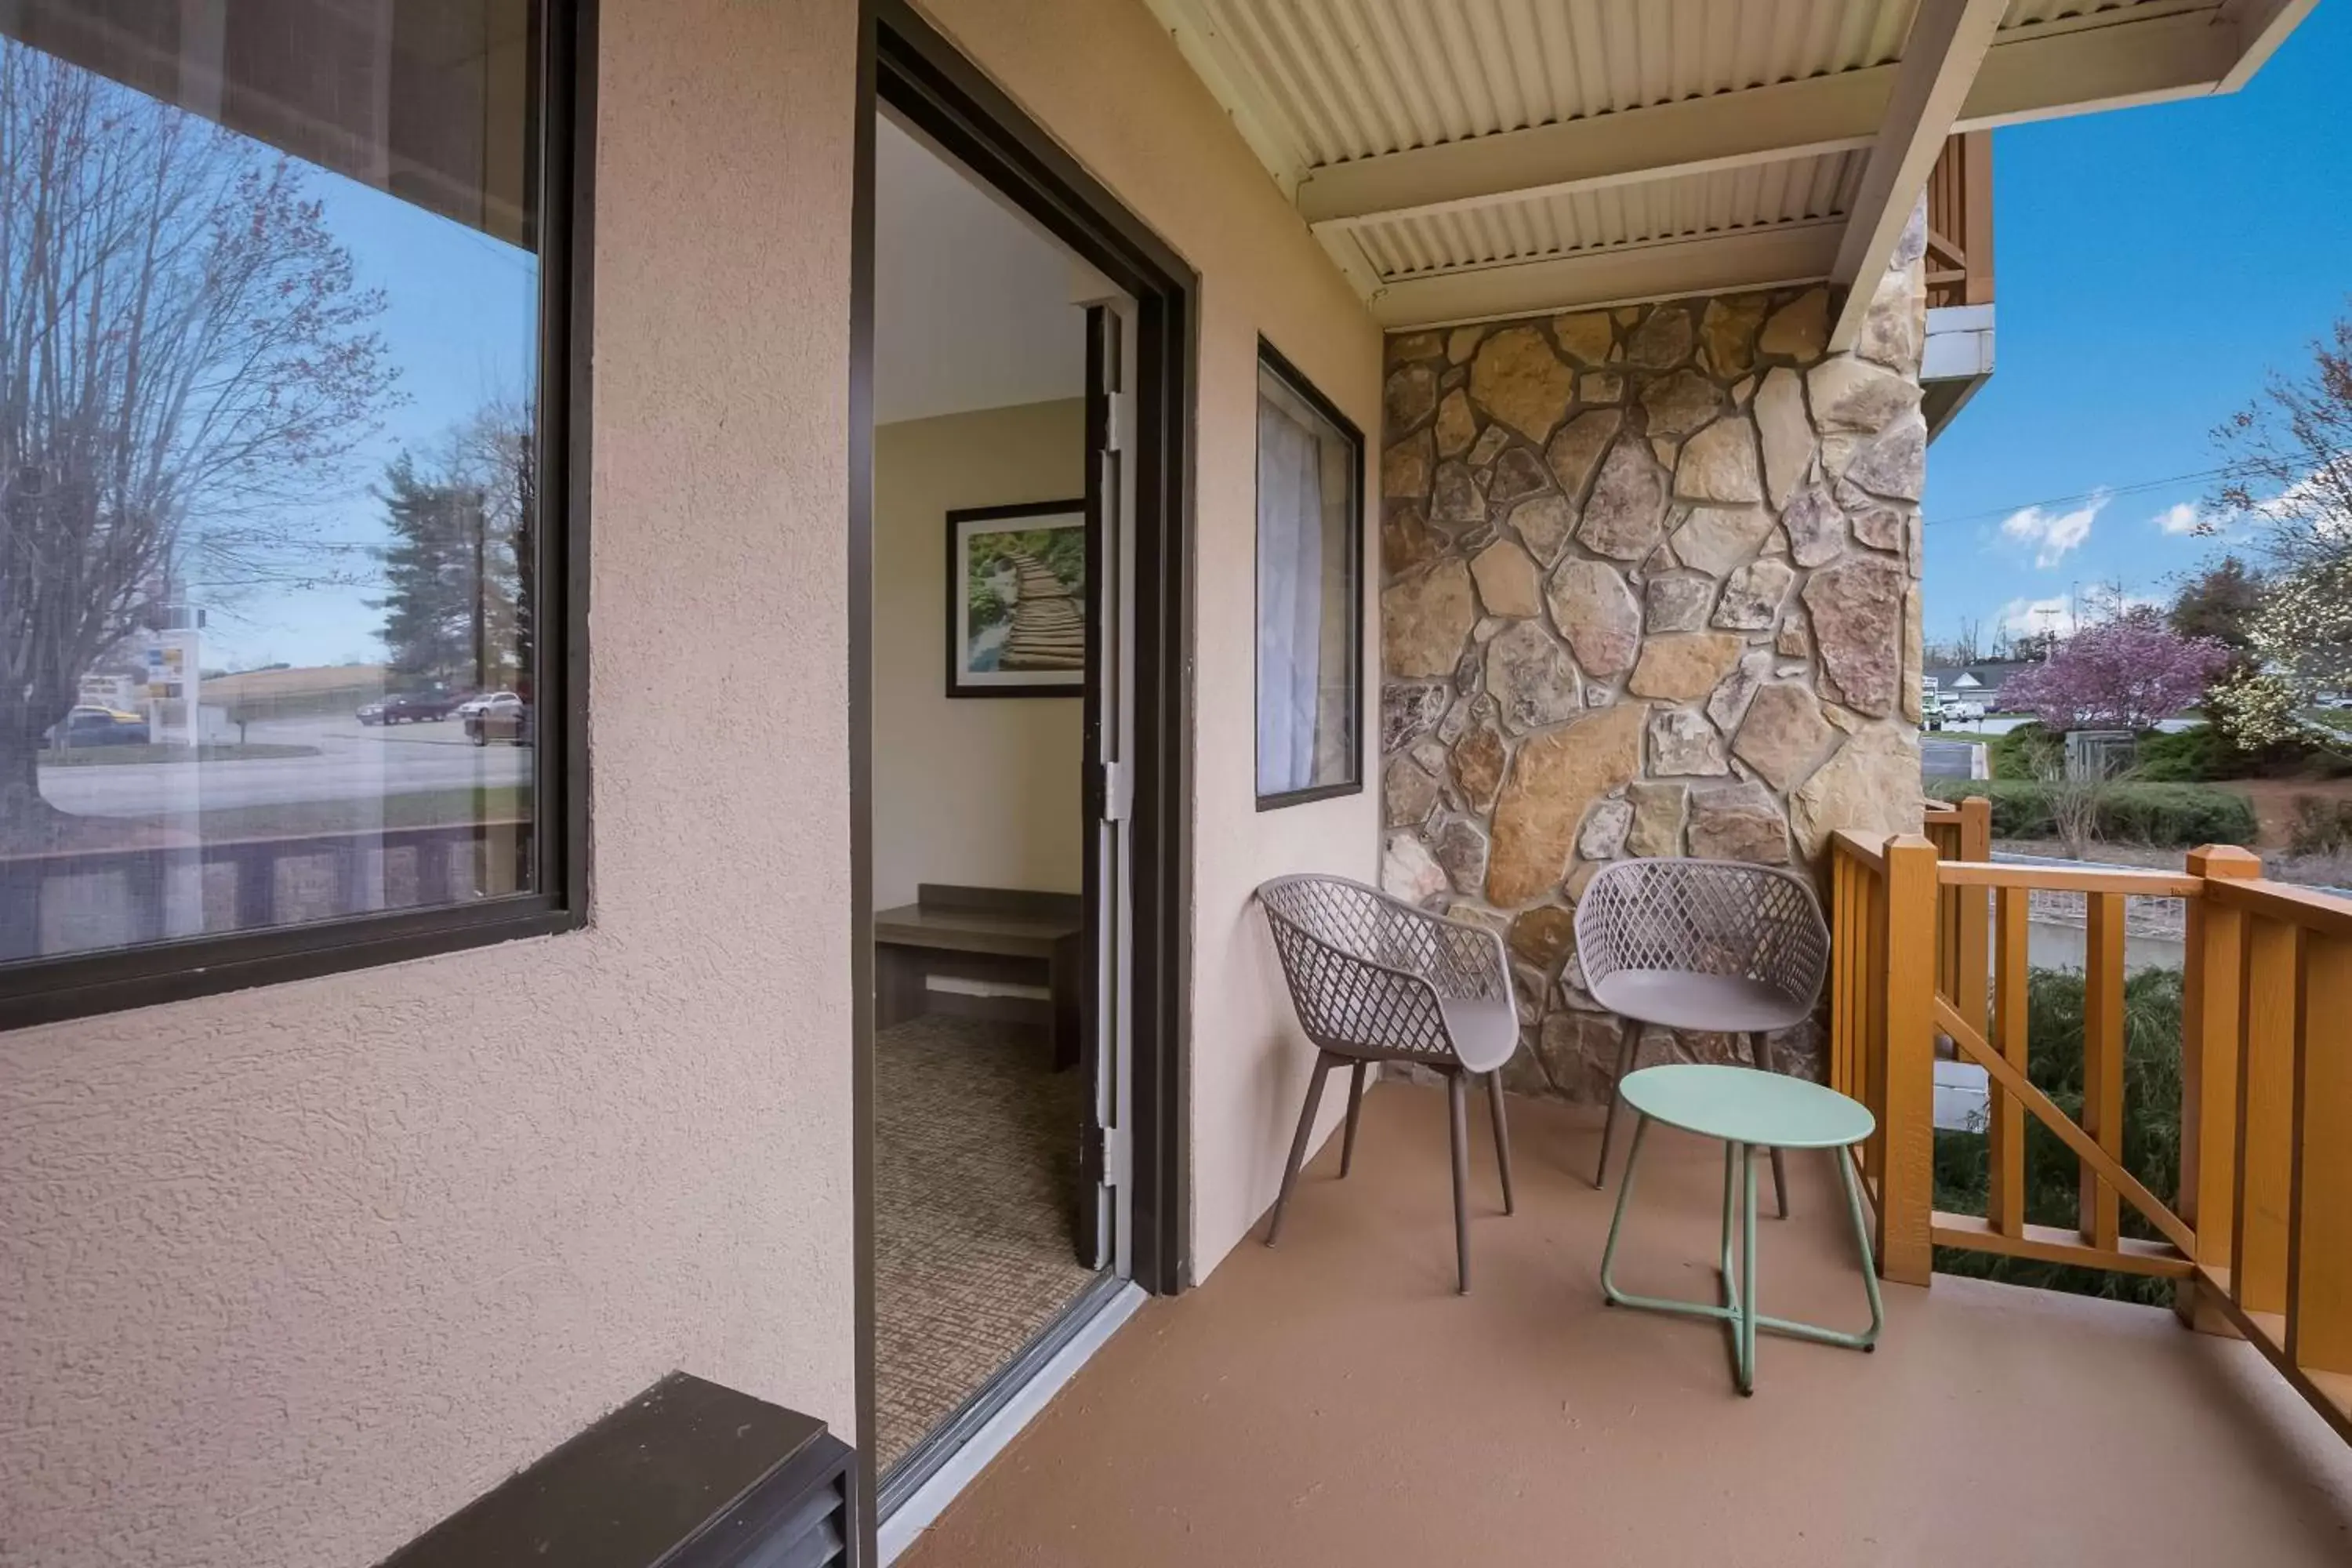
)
(2151, 264)
(460, 321)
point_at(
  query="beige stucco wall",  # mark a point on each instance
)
(1135, 114)
(286, 1275)
(983, 792)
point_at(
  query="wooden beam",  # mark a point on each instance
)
(2261, 26)
(1705, 264)
(2111, 60)
(1947, 45)
(1694, 136)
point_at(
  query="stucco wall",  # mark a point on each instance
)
(984, 792)
(286, 1275)
(1136, 116)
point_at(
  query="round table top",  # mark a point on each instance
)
(1741, 1105)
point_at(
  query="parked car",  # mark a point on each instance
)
(479, 700)
(504, 717)
(1960, 711)
(94, 726)
(408, 708)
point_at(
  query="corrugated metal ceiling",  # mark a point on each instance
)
(1355, 77)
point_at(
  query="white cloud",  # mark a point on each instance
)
(2178, 518)
(2054, 534)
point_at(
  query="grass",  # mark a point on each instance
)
(420, 808)
(105, 756)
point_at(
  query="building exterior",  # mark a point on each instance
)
(308, 1245)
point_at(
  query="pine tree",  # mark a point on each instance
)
(449, 609)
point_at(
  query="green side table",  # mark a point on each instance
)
(1750, 1112)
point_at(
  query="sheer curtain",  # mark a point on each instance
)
(1289, 598)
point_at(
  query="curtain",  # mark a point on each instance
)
(1289, 598)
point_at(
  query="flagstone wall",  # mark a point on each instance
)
(1650, 586)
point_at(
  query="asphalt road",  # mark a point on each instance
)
(354, 761)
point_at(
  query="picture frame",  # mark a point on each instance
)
(1017, 600)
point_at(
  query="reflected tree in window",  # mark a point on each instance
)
(185, 363)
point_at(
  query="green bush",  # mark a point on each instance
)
(2322, 825)
(2151, 1132)
(2187, 756)
(2018, 753)
(2164, 815)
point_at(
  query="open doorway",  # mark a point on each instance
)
(988, 633)
(1095, 1179)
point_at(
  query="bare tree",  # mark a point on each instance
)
(185, 360)
(2290, 461)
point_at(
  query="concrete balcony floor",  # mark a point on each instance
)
(1333, 1401)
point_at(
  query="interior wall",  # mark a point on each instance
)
(1106, 81)
(287, 1275)
(981, 791)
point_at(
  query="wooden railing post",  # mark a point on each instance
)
(2005, 1118)
(1971, 938)
(2098, 1206)
(2265, 1143)
(1906, 1195)
(2213, 991)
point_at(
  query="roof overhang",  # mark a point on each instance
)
(1466, 163)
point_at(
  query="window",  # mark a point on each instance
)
(282, 568)
(1310, 465)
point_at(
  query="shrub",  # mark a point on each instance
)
(2163, 816)
(2019, 752)
(2151, 1132)
(2322, 825)
(2205, 752)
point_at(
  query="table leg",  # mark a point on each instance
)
(1608, 1291)
(1868, 1342)
(1747, 1270)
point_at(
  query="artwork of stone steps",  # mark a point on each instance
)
(1049, 630)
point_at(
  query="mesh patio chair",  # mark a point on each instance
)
(1374, 979)
(1716, 946)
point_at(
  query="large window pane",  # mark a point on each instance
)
(1309, 655)
(269, 458)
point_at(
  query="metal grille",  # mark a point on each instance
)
(1368, 974)
(1704, 917)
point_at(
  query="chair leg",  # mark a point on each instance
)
(1457, 1095)
(1502, 1137)
(1355, 1104)
(1625, 1050)
(1759, 1052)
(1298, 1143)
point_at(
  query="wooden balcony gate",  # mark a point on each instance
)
(1930, 943)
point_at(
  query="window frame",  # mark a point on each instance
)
(110, 980)
(1270, 358)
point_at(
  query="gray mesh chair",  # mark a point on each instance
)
(1374, 979)
(1717, 946)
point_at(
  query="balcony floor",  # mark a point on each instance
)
(1333, 1401)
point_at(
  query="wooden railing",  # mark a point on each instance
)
(1959, 221)
(2260, 1234)
(447, 863)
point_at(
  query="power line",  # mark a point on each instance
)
(2136, 487)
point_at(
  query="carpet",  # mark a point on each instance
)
(975, 1175)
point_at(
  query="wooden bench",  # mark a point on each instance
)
(1002, 934)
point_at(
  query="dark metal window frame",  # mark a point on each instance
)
(108, 980)
(1270, 358)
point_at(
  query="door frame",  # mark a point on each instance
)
(904, 62)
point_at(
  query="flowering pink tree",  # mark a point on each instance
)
(2128, 674)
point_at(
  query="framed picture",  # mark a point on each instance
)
(1017, 600)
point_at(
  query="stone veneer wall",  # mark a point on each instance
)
(1650, 587)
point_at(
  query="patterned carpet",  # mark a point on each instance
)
(975, 1169)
